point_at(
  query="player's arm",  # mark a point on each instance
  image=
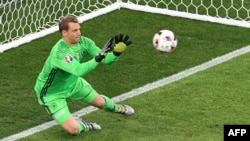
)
(110, 58)
(121, 43)
(69, 64)
(94, 50)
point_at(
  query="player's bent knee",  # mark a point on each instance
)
(71, 126)
(73, 131)
(68, 123)
(99, 101)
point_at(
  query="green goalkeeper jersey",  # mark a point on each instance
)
(65, 65)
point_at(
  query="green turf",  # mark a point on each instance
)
(198, 42)
(192, 109)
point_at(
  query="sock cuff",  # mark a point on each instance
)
(81, 128)
(109, 104)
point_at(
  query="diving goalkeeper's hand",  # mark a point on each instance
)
(121, 44)
(106, 48)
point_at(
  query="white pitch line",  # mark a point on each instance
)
(137, 91)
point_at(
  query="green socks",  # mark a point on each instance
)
(109, 106)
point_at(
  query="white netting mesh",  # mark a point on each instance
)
(232, 9)
(25, 20)
(231, 12)
(22, 17)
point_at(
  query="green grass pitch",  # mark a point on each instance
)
(192, 109)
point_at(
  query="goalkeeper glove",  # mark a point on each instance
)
(106, 48)
(121, 44)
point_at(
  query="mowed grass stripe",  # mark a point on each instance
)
(137, 91)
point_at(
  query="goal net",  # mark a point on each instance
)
(22, 21)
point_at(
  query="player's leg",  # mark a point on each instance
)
(106, 103)
(59, 110)
(87, 94)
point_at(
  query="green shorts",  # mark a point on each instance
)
(56, 104)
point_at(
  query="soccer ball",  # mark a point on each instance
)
(165, 41)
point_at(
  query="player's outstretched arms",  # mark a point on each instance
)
(121, 43)
(106, 48)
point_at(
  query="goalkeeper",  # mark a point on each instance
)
(61, 76)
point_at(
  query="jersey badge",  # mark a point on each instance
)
(78, 55)
(68, 59)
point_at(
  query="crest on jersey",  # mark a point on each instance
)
(68, 59)
(78, 55)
